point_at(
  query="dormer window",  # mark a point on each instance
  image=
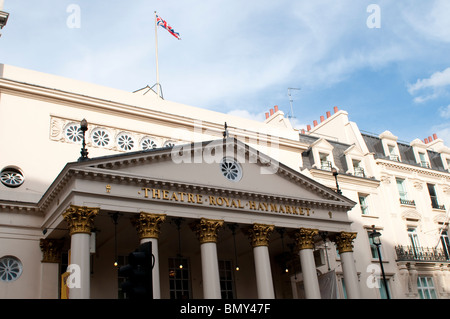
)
(420, 152)
(423, 160)
(389, 142)
(354, 158)
(393, 156)
(323, 154)
(325, 163)
(358, 169)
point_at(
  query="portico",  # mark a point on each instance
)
(151, 190)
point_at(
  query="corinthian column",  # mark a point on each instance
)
(344, 242)
(51, 257)
(80, 221)
(305, 244)
(206, 230)
(148, 229)
(259, 235)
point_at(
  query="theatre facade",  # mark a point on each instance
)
(223, 207)
(226, 207)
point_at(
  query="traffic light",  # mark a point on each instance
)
(138, 272)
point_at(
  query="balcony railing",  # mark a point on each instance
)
(409, 253)
(435, 203)
(393, 157)
(359, 171)
(326, 165)
(407, 202)
(424, 164)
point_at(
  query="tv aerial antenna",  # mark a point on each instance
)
(291, 115)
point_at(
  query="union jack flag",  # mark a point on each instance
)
(160, 22)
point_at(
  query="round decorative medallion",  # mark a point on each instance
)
(231, 169)
(11, 177)
(73, 133)
(147, 143)
(125, 142)
(101, 137)
(169, 144)
(10, 268)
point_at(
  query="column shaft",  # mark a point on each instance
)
(206, 230)
(310, 280)
(210, 271)
(148, 228)
(80, 256)
(80, 221)
(344, 242)
(259, 235)
(305, 244)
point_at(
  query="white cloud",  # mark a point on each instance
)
(432, 86)
(445, 111)
(429, 19)
(437, 79)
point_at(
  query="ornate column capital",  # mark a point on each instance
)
(51, 250)
(207, 229)
(80, 219)
(148, 225)
(344, 241)
(305, 238)
(259, 234)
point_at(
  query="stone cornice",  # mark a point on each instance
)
(129, 110)
(345, 178)
(411, 168)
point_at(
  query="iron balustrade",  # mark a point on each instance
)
(411, 253)
(435, 203)
(407, 202)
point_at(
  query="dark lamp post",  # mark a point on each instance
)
(84, 152)
(376, 240)
(335, 174)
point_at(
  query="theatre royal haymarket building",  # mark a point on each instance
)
(225, 219)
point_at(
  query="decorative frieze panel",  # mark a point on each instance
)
(107, 137)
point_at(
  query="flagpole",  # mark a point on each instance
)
(157, 67)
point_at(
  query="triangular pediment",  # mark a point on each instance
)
(201, 165)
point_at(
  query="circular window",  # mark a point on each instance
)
(231, 169)
(125, 142)
(74, 133)
(147, 143)
(11, 177)
(101, 137)
(10, 268)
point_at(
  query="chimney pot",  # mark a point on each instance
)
(322, 118)
(315, 123)
(425, 141)
(303, 131)
(335, 109)
(308, 127)
(430, 139)
(435, 136)
(276, 108)
(328, 114)
(271, 112)
(267, 115)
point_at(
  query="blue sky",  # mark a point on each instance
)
(241, 57)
